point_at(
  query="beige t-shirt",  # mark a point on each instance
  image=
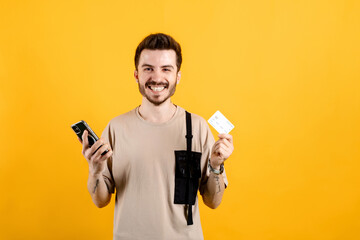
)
(142, 170)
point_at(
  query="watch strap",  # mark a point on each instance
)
(215, 171)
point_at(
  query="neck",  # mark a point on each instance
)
(157, 113)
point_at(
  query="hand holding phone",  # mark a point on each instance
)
(95, 150)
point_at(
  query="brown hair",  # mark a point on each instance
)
(159, 41)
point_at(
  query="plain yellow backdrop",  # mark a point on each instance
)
(286, 73)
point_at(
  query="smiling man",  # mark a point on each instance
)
(159, 155)
(151, 85)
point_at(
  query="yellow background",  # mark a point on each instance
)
(286, 73)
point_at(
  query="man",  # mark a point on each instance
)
(153, 162)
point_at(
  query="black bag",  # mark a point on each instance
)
(187, 173)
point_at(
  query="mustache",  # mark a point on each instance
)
(153, 83)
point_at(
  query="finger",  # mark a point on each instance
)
(223, 153)
(226, 152)
(229, 145)
(85, 140)
(96, 146)
(225, 142)
(106, 156)
(219, 141)
(98, 157)
(216, 149)
(102, 149)
(226, 136)
(215, 145)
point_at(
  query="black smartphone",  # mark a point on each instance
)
(79, 129)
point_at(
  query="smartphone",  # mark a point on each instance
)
(79, 129)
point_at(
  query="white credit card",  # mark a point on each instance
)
(220, 123)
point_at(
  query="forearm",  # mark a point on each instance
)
(214, 190)
(98, 190)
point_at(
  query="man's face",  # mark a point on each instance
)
(157, 75)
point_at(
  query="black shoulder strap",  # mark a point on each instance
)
(188, 131)
(189, 137)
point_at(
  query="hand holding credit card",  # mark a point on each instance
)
(220, 123)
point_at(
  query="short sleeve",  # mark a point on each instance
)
(107, 135)
(208, 142)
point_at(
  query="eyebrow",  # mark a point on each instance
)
(164, 66)
(167, 66)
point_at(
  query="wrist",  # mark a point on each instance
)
(96, 170)
(95, 174)
(217, 169)
(214, 164)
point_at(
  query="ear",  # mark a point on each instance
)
(178, 77)
(136, 76)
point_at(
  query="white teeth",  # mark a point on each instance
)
(157, 89)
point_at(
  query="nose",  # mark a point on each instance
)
(157, 76)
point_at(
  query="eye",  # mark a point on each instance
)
(167, 69)
(148, 69)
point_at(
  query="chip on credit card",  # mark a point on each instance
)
(220, 123)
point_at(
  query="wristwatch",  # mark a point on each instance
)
(215, 171)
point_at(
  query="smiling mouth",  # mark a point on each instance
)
(157, 88)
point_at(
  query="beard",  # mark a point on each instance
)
(155, 100)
